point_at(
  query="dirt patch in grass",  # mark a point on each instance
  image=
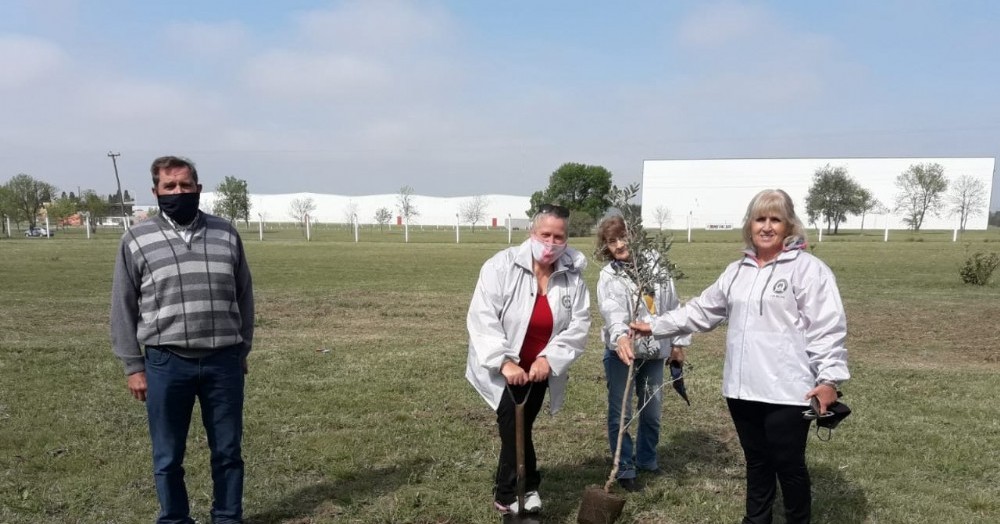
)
(956, 334)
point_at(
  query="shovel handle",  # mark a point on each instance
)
(519, 452)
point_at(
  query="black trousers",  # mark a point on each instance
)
(773, 437)
(505, 484)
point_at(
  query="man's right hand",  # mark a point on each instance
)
(137, 385)
(514, 374)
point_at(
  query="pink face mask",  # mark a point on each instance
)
(546, 252)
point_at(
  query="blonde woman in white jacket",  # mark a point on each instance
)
(528, 322)
(616, 298)
(784, 346)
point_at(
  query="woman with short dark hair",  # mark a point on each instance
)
(616, 299)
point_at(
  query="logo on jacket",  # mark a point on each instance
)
(780, 287)
(567, 302)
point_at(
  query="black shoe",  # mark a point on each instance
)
(629, 485)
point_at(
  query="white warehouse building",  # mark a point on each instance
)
(338, 209)
(713, 194)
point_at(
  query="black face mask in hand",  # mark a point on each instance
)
(180, 207)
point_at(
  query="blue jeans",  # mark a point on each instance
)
(647, 382)
(173, 383)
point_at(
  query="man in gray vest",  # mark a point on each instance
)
(182, 292)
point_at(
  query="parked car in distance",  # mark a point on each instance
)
(38, 232)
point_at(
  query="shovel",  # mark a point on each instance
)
(521, 517)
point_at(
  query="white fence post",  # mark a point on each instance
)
(510, 228)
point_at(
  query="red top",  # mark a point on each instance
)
(539, 332)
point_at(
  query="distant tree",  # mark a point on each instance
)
(383, 216)
(28, 195)
(967, 198)
(115, 204)
(300, 208)
(580, 224)
(128, 197)
(995, 219)
(577, 187)
(233, 200)
(8, 208)
(95, 206)
(72, 196)
(833, 196)
(473, 210)
(867, 203)
(152, 212)
(63, 196)
(662, 216)
(405, 205)
(921, 188)
(61, 209)
(350, 211)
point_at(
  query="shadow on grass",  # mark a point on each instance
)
(330, 498)
(689, 454)
(563, 485)
(835, 498)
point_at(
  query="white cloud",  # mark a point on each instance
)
(723, 24)
(374, 25)
(27, 60)
(290, 75)
(206, 40)
(746, 59)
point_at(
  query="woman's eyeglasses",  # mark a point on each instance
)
(553, 209)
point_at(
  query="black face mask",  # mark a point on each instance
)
(180, 207)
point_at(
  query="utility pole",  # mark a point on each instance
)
(121, 196)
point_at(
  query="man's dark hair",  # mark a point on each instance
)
(170, 162)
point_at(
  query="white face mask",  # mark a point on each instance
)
(546, 252)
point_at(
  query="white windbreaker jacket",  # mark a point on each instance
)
(499, 314)
(616, 298)
(786, 326)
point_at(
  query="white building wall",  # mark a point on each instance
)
(718, 191)
(433, 211)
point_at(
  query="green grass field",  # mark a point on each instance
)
(382, 427)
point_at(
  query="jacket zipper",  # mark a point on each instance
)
(746, 321)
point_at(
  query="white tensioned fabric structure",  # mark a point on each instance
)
(334, 209)
(713, 194)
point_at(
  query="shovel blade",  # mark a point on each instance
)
(599, 507)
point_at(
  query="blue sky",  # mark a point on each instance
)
(457, 98)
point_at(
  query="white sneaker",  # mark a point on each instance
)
(532, 502)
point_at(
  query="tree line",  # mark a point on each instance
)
(583, 189)
(923, 190)
(22, 199)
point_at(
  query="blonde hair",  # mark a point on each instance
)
(773, 202)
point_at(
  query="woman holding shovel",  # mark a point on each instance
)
(784, 347)
(528, 323)
(616, 293)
